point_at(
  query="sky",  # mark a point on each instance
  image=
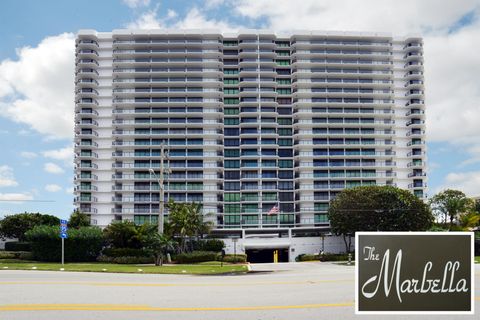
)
(37, 76)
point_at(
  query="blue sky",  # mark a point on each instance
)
(36, 88)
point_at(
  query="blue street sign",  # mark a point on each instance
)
(63, 228)
(63, 235)
(63, 221)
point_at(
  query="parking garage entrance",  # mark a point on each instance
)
(267, 255)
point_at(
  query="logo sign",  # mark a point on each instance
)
(414, 272)
(63, 235)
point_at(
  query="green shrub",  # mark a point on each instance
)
(83, 244)
(125, 252)
(126, 234)
(196, 256)
(324, 257)
(214, 245)
(125, 259)
(8, 255)
(23, 255)
(17, 246)
(230, 258)
(16, 225)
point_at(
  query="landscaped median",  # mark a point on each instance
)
(210, 267)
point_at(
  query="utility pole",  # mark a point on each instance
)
(160, 181)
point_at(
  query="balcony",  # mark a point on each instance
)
(417, 174)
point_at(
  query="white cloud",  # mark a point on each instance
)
(51, 167)
(28, 154)
(136, 3)
(211, 4)
(37, 89)
(53, 187)
(69, 190)
(6, 177)
(374, 15)
(147, 20)
(14, 197)
(468, 182)
(194, 19)
(63, 154)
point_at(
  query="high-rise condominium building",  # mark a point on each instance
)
(262, 128)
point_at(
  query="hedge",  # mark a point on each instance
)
(125, 252)
(324, 257)
(125, 259)
(238, 258)
(214, 245)
(83, 244)
(196, 256)
(17, 246)
(22, 255)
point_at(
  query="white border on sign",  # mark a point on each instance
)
(418, 233)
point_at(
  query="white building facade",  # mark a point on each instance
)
(251, 121)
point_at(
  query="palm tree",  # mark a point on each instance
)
(187, 221)
(159, 245)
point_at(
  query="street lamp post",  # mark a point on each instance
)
(160, 181)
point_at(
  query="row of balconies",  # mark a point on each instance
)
(163, 90)
(415, 133)
(346, 153)
(344, 163)
(171, 70)
(189, 154)
(170, 176)
(154, 100)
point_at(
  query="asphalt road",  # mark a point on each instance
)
(292, 291)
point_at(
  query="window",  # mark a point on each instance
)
(231, 132)
(230, 71)
(284, 81)
(232, 220)
(230, 81)
(141, 219)
(230, 91)
(232, 175)
(231, 101)
(284, 121)
(285, 163)
(285, 132)
(231, 111)
(231, 122)
(321, 218)
(286, 196)
(285, 185)
(232, 208)
(285, 142)
(231, 197)
(231, 142)
(285, 174)
(232, 186)
(232, 164)
(229, 153)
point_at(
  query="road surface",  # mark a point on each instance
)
(282, 291)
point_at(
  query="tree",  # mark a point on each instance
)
(186, 221)
(449, 204)
(377, 208)
(78, 219)
(159, 245)
(15, 226)
(126, 234)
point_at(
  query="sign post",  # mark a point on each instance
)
(63, 236)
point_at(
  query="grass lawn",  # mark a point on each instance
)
(204, 268)
(477, 259)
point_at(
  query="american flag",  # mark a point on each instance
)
(274, 210)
